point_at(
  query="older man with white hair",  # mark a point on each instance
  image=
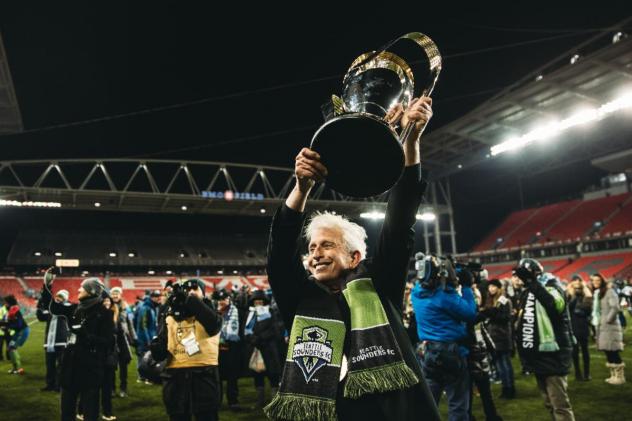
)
(349, 356)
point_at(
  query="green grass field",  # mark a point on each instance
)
(20, 398)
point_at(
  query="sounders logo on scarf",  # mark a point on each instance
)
(312, 351)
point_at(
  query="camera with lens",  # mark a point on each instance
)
(433, 270)
(176, 302)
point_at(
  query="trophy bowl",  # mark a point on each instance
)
(361, 150)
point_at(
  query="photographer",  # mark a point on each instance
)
(189, 340)
(442, 317)
(229, 346)
(545, 336)
(91, 335)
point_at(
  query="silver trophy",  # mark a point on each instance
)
(362, 152)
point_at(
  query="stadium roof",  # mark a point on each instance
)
(10, 119)
(595, 72)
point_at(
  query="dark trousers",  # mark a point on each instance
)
(505, 369)
(4, 339)
(209, 416)
(260, 377)
(89, 403)
(229, 369)
(613, 357)
(53, 366)
(122, 375)
(485, 390)
(458, 393)
(582, 343)
(106, 390)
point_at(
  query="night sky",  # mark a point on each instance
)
(251, 72)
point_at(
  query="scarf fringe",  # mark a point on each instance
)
(287, 406)
(379, 379)
(548, 347)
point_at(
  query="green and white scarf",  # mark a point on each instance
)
(311, 375)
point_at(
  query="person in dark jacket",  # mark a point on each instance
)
(262, 332)
(580, 308)
(481, 346)
(55, 337)
(82, 365)
(497, 312)
(189, 340)
(229, 347)
(544, 336)
(145, 323)
(330, 342)
(125, 337)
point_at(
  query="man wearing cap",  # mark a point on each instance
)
(189, 340)
(55, 337)
(544, 336)
(91, 328)
(146, 325)
(229, 346)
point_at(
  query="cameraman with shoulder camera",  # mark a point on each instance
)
(544, 336)
(442, 317)
(91, 335)
(189, 340)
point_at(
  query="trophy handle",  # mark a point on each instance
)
(426, 43)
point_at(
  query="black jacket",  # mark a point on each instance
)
(389, 267)
(83, 363)
(267, 337)
(580, 308)
(499, 324)
(556, 363)
(61, 331)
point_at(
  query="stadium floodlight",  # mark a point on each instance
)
(235, 272)
(131, 254)
(554, 128)
(97, 204)
(374, 215)
(113, 254)
(29, 204)
(618, 37)
(262, 210)
(58, 254)
(184, 208)
(426, 216)
(220, 272)
(169, 272)
(37, 254)
(151, 272)
(575, 59)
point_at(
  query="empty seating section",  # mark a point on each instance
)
(608, 265)
(508, 225)
(621, 222)
(499, 271)
(583, 217)
(543, 218)
(562, 221)
(132, 249)
(10, 286)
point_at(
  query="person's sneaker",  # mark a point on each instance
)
(148, 382)
(80, 417)
(108, 418)
(12, 371)
(139, 380)
(123, 394)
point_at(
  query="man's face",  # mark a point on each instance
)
(516, 282)
(116, 297)
(156, 299)
(82, 293)
(197, 292)
(328, 257)
(222, 304)
(59, 299)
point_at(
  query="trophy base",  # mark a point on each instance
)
(362, 154)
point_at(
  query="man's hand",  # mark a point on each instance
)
(308, 169)
(419, 111)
